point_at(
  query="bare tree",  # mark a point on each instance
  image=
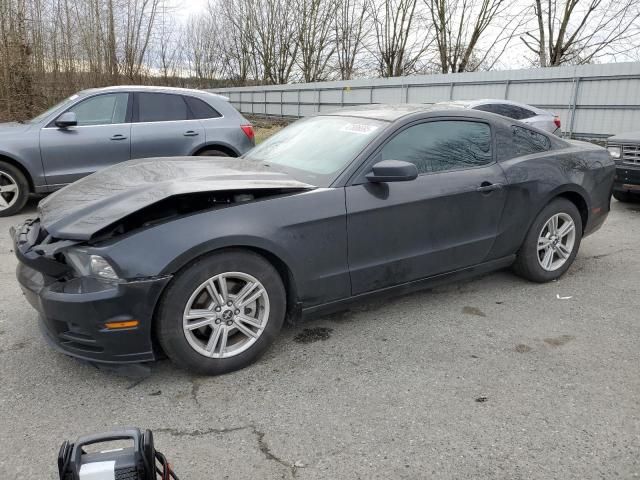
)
(240, 59)
(274, 39)
(460, 26)
(315, 37)
(401, 39)
(350, 28)
(580, 31)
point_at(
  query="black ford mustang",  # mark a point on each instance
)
(204, 258)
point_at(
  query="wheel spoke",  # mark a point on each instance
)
(214, 339)
(547, 260)
(567, 228)
(213, 292)
(562, 250)
(197, 313)
(244, 329)
(199, 324)
(223, 340)
(248, 320)
(224, 292)
(12, 187)
(246, 290)
(3, 202)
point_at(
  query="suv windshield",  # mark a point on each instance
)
(316, 150)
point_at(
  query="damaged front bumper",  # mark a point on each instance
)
(74, 311)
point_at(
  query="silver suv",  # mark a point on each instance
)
(100, 127)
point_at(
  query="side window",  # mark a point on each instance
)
(527, 141)
(161, 107)
(201, 109)
(104, 109)
(442, 145)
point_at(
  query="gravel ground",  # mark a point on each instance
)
(492, 378)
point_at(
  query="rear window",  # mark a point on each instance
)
(161, 107)
(201, 109)
(506, 110)
(527, 141)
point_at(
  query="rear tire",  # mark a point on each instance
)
(233, 335)
(212, 153)
(547, 251)
(624, 197)
(14, 190)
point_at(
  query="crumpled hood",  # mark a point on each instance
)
(629, 137)
(95, 202)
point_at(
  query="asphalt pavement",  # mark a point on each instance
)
(491, 378)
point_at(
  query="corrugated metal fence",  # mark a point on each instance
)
(592, 100)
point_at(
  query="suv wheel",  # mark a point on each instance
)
(14, 190)
(552, 242)
(213, 153)
(221, 312)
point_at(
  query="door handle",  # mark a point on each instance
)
(488, 187)
(118, 136)
(190, 133)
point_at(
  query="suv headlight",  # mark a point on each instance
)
(615, 152)
(90, 265)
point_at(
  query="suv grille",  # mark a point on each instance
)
(631, 154)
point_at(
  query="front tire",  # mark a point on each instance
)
(222, 312)
(14, 190)
(552, 243)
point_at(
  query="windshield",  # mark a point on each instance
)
(316, 150)
(48, 112)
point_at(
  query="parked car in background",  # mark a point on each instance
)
(207, 258)
(100, 127)
(625, 150)
(536, 117)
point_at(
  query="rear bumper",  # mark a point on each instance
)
(73, 314)
(627, 178)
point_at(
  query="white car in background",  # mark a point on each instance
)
(534, 116)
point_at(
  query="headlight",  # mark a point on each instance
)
(89, 265)
(615, 152)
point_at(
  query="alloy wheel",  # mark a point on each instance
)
(226, 315)
(556, 241)
(8, 191)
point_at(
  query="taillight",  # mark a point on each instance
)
(248, 131)
(556, 120)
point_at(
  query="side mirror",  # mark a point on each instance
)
(392, 171)
(67, 119)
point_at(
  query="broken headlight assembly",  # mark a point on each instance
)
(615, 152)
(87, 264)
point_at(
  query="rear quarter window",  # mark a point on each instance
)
(201, 109)
(527, 142)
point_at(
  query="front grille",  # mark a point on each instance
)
(631, 154)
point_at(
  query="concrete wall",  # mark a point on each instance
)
(591, 100)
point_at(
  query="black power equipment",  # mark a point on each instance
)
(141, 461)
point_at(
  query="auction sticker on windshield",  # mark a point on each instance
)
(361, 128)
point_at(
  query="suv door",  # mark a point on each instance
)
(101, 138)
(444, 220)
(163, 126)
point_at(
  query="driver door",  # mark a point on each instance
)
(101, 138)
(444, 220)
